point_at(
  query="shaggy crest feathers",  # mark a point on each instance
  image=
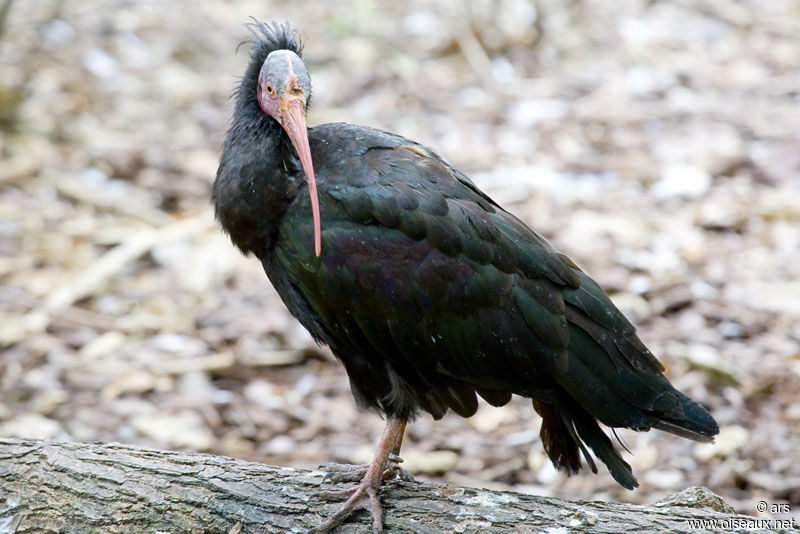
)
(267, 37)
(274, 35)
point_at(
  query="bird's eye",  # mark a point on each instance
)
(269, 88)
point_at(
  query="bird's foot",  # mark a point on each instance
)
(384, 466)
(340, 473)
(364, 496)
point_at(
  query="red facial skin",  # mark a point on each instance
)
(287, 105)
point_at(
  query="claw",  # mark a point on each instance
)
(404, 475)
(393, 470)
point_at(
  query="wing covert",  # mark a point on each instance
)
(419, 245)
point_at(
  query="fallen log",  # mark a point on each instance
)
(65, 487)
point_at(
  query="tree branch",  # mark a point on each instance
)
(110, 488)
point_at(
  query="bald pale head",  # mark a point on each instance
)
(284, 88)
(283, 76)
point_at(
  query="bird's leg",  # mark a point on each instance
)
(366, 493)
(393, 469)
(339, 473)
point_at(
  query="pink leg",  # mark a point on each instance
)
(366, 493)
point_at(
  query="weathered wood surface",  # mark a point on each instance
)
(110, 488)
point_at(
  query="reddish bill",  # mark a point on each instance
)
(294, 122)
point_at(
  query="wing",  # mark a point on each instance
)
(411, 240)
(429, 292)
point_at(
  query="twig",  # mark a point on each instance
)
(473, 51)
(4, 10)
(115, 203)
(470, 46)
(97, 274)
(208, 362)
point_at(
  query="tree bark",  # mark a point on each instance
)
(109, 488)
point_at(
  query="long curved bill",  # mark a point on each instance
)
(294, 122)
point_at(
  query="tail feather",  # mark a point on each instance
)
(558, 441)
(565, 435)
(621, 393)
(610, 378)
(694, 422)
(591, 433)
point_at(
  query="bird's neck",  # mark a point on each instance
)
(258, 177)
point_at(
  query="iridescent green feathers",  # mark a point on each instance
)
(430, 282)
(429, 292)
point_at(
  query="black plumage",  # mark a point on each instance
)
(428, 291)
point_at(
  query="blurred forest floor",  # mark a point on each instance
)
(657, 143)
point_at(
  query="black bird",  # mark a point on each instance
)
(428, 291)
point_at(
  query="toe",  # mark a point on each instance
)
(336, 495)
(338, 473)
(376, 509)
